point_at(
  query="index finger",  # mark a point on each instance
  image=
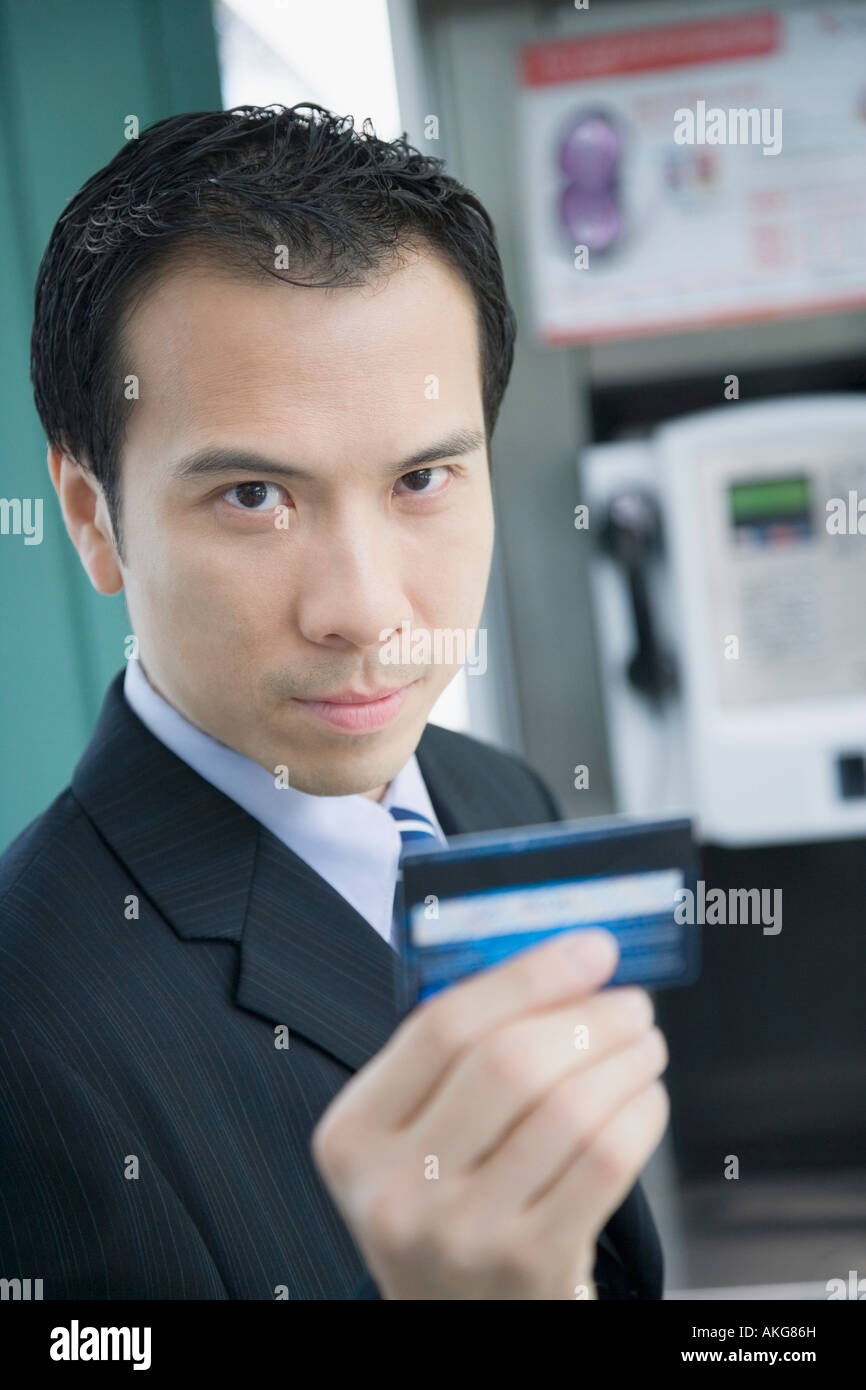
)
(428, 1042)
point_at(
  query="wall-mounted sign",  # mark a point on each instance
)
(695, 174)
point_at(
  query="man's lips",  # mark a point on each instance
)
(358, 713)
(356, 697)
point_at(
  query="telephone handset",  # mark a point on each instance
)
(631, 536)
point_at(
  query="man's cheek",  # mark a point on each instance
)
(210, 612)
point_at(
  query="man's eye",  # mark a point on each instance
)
(419, 480)
(249, 497)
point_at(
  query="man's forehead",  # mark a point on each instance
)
(213, 348)
(191, 295)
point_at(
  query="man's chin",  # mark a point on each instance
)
(356, 766)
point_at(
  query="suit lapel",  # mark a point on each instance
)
(309, 960)
(191, 849)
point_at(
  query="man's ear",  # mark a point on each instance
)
(85, 514)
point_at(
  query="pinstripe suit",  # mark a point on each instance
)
(154, 1139)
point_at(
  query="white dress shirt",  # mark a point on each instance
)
(351, 841)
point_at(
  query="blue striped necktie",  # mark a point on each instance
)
(413, 829)
(412, 826)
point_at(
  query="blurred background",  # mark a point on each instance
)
(675, 617)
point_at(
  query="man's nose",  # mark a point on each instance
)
(353, 590)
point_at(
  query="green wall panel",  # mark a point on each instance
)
(70, 74)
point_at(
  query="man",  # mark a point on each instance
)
(268, 354)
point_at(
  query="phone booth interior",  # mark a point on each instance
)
(729, 580)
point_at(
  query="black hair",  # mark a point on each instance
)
(235, 185)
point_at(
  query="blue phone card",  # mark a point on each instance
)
(492, 894)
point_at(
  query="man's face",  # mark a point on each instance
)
(258, 594)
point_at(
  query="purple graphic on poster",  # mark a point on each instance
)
(589, 154)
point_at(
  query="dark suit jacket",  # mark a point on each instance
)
(154, 1142)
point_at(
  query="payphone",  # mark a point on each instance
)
(754, 595)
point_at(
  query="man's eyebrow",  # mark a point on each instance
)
(221, 460)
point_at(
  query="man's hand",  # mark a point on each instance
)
(482, 1150)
